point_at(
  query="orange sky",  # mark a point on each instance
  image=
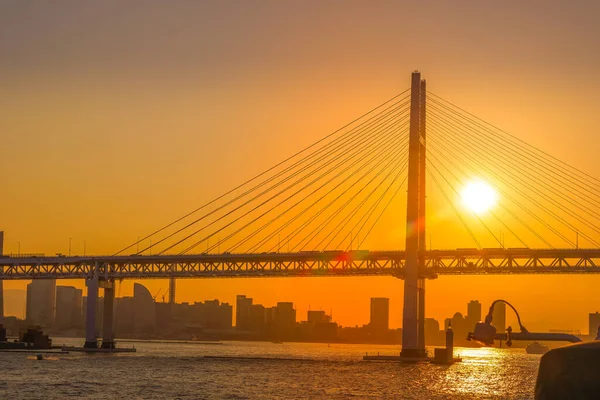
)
(117, 119)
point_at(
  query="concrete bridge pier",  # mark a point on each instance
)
(108, 341)
(1, 281)
(90, 311)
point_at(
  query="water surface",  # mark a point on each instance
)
(290, 370)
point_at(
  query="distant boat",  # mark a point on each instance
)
(536, 348)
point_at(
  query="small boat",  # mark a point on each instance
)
(39, 356)
(536, 348)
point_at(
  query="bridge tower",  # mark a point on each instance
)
(422, 216)
(413, 316)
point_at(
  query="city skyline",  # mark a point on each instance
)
(472, 311)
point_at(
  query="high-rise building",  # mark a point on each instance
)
(499, 317)
(242, 312)
(317, 317)
(257, 318)
(68, 307)
(41, 296)
(473, 313)
(123, 316)
(459, 324)
(594, 324)
(432, 331)
(213, 315)
(380, 315)
(99, 313)
(284, 320)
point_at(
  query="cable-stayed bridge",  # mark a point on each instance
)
(397, 174)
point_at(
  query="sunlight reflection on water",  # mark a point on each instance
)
(291, 370)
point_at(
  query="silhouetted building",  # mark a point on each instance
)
(460, 325)
(284, 320)
(213, 315)
(123, 314)
(499, 317)
(242, 312)
(144, 313)
(317, 317)
(594, 323)
(473, 312)
(99, 313)
(318, 328)
(380, 316)
(41, 296)
(433, 334)
(257, 321)
(68, 308)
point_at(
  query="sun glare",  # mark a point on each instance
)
(478, 196)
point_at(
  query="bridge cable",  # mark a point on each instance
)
(264, 172)
(307, 223)
(326, 223)
(382, 212)
(567, 178)
(403, 163)
(455, 155)
(373, 208)
(550, 200)
(339, 228)
(337, 149)
(463, 173)
(532, 186)
(351, 156)
(502, 148)
(387, 139)
(354, 145)
(487, 125)
(458, 215)
(281, 214)
(458, 194)
(529, 212)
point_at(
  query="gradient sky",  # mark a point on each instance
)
(116, 118)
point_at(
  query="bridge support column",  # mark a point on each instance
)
(421, 318)
(90, 311)
(1, 300)
(422, 217)
(171, 290)
(1, 281)
(411, 348)
(108, 341)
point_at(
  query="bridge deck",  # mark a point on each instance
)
(329, 263)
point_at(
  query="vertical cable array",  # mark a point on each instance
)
(304, 203)
(543, 202)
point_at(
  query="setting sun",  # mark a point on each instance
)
(478, 196)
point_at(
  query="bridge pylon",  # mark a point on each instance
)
(413, 316)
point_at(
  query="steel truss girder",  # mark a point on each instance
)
(304, 264)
